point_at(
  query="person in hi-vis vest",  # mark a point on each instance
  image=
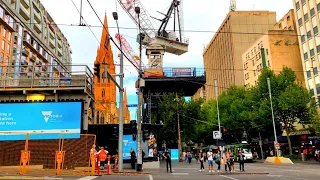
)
(102, 156)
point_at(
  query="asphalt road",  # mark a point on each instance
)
(185, 171)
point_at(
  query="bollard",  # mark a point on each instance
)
(108, 172)
(24, 161)
(93, 163)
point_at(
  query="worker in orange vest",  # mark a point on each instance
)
(102, 156)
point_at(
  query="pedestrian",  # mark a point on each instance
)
(201, 159)
(210, 160)
(218, 161)
(241, 157)
(133, 158)
(189, 157)
(231, 161)
(167, 156)
(226, 160)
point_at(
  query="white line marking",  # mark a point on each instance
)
(88, 178)
(180, 174)
(229, 177)
(150, 177)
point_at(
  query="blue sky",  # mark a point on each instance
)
(205, 15)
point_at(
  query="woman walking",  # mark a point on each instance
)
(201, 159)
(218, 161)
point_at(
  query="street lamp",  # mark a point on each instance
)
(140, 158)
(120, 160)
(274, 125)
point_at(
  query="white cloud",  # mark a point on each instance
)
(198, 15)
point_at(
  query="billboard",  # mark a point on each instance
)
(127, 144)
(42, 120)
(174, 154)
(181, 72)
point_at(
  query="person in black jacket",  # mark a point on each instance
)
(167, 156)
(241, 159)
(133, 158)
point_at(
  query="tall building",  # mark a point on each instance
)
(30, 42)
(223, 55)
(307, 14)
(276, 49)
(105, 89)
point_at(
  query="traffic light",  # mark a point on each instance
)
(133, 124)
(145, 134)
(115, 132)
(96, 70)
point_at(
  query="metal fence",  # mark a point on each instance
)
(43, 152)
(29, 75)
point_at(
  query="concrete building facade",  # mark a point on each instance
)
(307, 16)
(30, 41)
(223, 55)
(276, 49)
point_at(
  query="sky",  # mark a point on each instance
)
(200, 15)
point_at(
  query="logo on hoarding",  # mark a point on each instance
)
(125, 142)
(47, 115)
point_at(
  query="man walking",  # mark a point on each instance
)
(167, 156)
(241, 160)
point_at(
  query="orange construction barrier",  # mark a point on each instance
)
(24, 161)
(115, 167)
(108, 172)
(93, 163)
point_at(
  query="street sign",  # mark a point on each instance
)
(132, 105)
(277, 145)
(216, 135)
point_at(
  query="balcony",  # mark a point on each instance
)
(25, 3)
(59, 53)
(24, 13)
(33, 57)
(37, 27)
(59, 44)
(25, 52)
(51, 43)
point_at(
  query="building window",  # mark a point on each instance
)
(267, 52)
(1, 12)
(306, 17)
(300, 21)
(303, 2)
(269, 64)
(303, 38)
(318, 7)
(315, 30)
(312, 12)
(297, 5)
(288, 18)
(289, 28)
(8, 48)
(1, 58)
(315, 71)
(311, 52)
(311, 92)
(3, 44)
(4, 33)
(318, 48)
(280, 25)
(305, 55)
(9, 36)
(253, 62)
(309, 74)
(309, 34)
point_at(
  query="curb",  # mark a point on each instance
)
(24, 178)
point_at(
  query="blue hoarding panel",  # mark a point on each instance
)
(52, 119)
(127, 144)
(174, 154)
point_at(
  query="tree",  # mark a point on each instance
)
(291, 102)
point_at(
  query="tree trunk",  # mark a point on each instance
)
(289, 141)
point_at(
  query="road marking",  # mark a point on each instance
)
(282, 176)
(229, 177)
(52, 178)
(88, 178)
(150, 177)
(180, 174)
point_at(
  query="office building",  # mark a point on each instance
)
(275, 49)
(105, 89)
(30, 42)
(223, 55)
(307, 15)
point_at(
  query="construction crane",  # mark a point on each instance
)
(233, 5)
(160, 41)
(127, 49)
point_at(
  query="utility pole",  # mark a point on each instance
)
(179, 131)
(121, 90)
(139, 133)
(274, 124)
(218, 113)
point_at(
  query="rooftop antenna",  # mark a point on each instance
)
(233, 5)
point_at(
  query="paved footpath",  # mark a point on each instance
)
(185, 171)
